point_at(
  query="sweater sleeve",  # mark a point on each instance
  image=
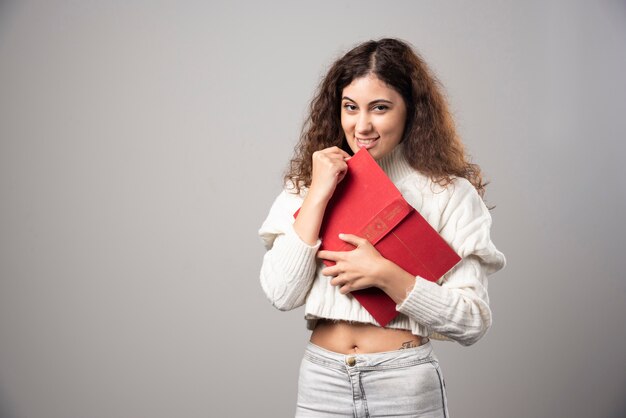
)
(457, 306)
(289, 265)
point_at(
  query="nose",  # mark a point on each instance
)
(363, 123)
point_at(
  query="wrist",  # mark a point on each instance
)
(396, 282)
(386, 274)
(315, 197)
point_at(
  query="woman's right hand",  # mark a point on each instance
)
(329, 168)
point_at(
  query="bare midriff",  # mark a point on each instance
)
(354, 338)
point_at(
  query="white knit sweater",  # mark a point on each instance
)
(456, 307)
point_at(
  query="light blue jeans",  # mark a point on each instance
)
(401, 383)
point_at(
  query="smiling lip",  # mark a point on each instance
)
(366, 143)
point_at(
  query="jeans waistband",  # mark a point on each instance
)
(371, 361)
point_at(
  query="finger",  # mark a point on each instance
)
(340, 165)
(337, 281)
(342, 175)
(353, 285)
(342, 282)
(339, 151)
(344, 154)
(345, 289)
(333, 162)
(331, 271)
(353, 239)
(329, 255)
(337, 159)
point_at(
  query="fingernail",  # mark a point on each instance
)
(341, 236)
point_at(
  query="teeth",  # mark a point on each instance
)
(366, 141)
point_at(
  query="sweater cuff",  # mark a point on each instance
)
(297, 257)
(424, 302)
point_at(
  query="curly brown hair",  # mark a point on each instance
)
(432, 145)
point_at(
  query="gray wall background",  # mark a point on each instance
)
(142, 143)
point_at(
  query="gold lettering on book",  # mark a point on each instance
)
(385, 220)
(393, 212)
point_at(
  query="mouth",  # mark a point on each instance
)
(366, 143)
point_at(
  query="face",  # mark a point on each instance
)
(372, 116)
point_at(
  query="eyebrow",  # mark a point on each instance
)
(370, 103)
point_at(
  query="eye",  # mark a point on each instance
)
(380, 107)
(349, 107)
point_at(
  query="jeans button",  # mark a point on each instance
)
(351, 361)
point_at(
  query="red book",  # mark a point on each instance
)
(367, 204)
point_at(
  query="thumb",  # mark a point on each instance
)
(353, 239)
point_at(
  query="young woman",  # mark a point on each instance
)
(380, 96)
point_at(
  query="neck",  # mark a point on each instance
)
(395, 164)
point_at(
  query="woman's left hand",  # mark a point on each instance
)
(357, 269)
